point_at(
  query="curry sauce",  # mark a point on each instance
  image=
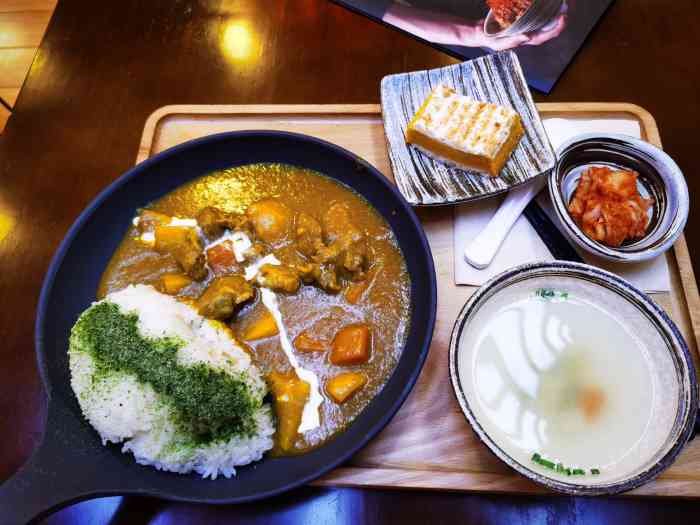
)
(371, 291)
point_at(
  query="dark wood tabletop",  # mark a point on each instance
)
(103, 67)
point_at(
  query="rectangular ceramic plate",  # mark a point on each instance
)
(494, 78)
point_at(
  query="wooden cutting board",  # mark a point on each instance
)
(429, 444)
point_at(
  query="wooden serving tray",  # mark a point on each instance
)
(429, 444)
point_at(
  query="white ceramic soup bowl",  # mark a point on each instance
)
(498, 401)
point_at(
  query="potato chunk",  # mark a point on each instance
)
(291, 394)
(221, 297)
(265, 326)
(305, 342)
(184, 245)
(172, 283)
(343, 386)
(351, 345)
(272, 220)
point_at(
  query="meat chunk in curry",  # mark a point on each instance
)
(322, 275)
(280, 278)
(184, 245)
(346, 244)
(223, 295)
(327, 278)
(308, 234)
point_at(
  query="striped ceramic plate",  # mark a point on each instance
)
(495, 78)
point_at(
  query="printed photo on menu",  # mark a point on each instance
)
(546, 34)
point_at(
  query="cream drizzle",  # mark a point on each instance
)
(310, 417)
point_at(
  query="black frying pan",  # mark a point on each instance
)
(71, 464)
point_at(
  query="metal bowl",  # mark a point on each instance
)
(665, 347)
(659, 178)
(538, 15)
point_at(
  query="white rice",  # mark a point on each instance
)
(124, 410)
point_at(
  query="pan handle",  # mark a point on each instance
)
(20, 500)
(52, 478)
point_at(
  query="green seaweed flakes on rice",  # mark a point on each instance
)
(175, 388)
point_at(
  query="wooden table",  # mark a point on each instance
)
(104, 67)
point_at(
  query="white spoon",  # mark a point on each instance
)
(483, 248)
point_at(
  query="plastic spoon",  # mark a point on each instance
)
(481, 251)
